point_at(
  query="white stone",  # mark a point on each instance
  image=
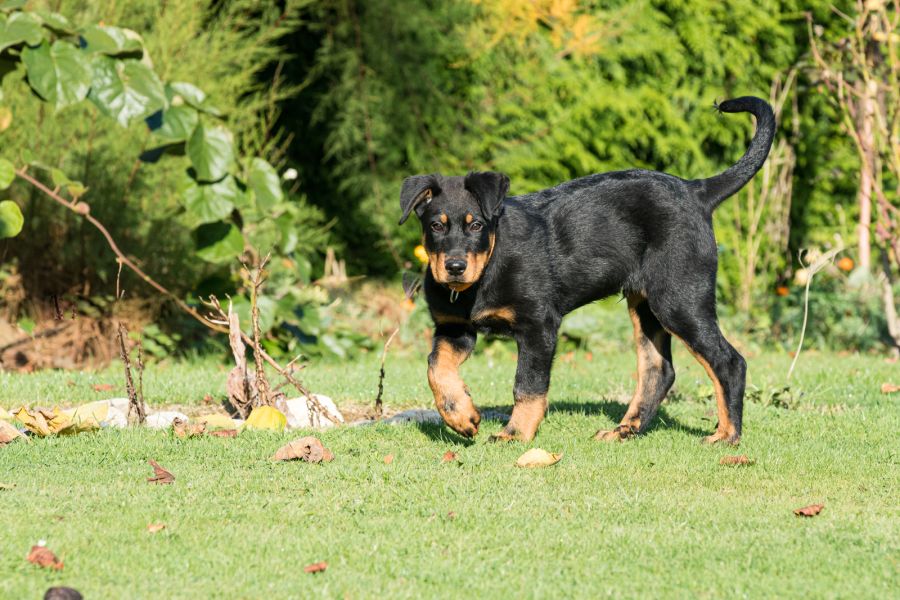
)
(164, 418)
(298, 416)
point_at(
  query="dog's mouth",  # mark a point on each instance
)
(457, 284)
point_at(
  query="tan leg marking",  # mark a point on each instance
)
(502, 313)
(442, 318)
(725, 431)
(631, 422)
(451, 396)
(527, 414)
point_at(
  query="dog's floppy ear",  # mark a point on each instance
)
(415, 190)
(490, 189)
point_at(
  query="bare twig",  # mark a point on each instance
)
(257, 278)
(378, 404)
(813, 269)
(135, 404)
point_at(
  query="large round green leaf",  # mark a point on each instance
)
(266, 185)
(178, 123)
(60, 74)
(219, 242)
(191, 95)
(19, 28)
(113, 41)
(11, 219)
(209, 202)
(211, 150)
(125, 89)
(7, 173)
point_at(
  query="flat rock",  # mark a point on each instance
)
(430, 416)
(299, 417)
(164, 418)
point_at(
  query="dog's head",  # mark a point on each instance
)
(459, 219)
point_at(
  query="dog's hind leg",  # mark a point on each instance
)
(655, 372)
(536, 350)
(694, 322)
(453, 343)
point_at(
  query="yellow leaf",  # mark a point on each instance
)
(5, 118)
(86, 417)
(537, 457)
(8, 433)
(43, 422)
(266, 417)
(217, 421)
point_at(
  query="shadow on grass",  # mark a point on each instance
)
(611, 409)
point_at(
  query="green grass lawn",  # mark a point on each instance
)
(654, 516)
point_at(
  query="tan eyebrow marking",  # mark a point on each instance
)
(469, 218)
(443, 218)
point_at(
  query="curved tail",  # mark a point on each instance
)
(715, 190)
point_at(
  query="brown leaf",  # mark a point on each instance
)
(388, 459)
(306, 448)
(451, 515)
(316, 567)
(225, 433)
(328, 456)
(736, 460)
(809, 511)
(7, 486)
(889, 388)
(8, 433)
(103, 387)
(160, 474)
(156, 527)
(538, 457)
(208, 399)
(44, 557)
(449, 456)
(183, 429)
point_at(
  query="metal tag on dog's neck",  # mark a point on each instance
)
(453, 296)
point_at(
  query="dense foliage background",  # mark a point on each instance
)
(352, 96)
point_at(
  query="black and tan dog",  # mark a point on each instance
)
(515, 266)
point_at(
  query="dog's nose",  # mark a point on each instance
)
(455, 266)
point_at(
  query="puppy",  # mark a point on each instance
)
(515, 266)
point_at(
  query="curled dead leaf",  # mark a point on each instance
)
(8, 433)
(160, 475)
(316, 567)
(538, 457)
(183, 429)
(225, 433)
(102, 387)
(736, 460)
(388, 459)
(449, 456)
(889, 388)
(7, 486)
(306, 448)
(809, 511)
(156, 527)
(451, 515)
(44, 557)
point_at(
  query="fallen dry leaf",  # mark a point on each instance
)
(449, 456)
(183, 429)
(889, 388)
(809, 511)
(208, 399)
(8, 433)
(736, 460)
(160, 475)
(156, 527)
(266, 417)
(538, 457)
(225, 433)
(451, 515)
(388, 459)
(44, 557)
(103, 387)
(316, 567)
(217, 421)
(7, 486)
(306, 448)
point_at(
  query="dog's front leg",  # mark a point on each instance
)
(452, 345)
(536, 350)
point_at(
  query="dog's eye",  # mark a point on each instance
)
(437, 227)
(475, 226)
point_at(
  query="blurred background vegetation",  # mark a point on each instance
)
(348, 97)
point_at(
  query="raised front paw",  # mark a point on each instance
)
(463, 418)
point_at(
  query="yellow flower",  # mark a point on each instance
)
(421, 254)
